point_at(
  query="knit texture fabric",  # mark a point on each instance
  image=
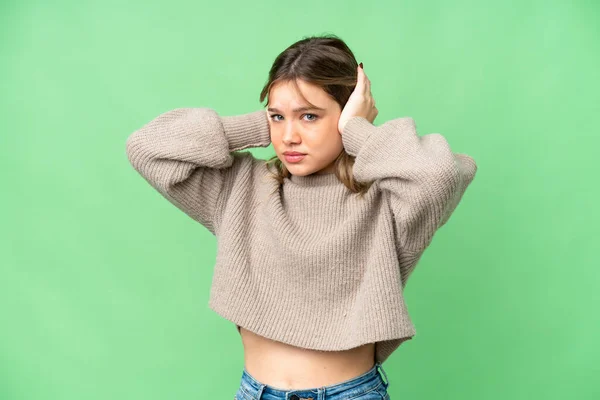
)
(307, 263)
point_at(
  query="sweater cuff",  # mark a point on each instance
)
(467, 164)
(247, 130)
(355, 133)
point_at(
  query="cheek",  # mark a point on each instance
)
(330, 137)
(322, 133)
(275, 137)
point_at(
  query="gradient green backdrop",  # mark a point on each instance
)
(104, 284)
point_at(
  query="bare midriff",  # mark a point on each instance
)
(287, 367)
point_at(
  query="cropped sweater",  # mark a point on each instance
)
(308, 262)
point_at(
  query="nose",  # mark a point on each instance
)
(290, 134)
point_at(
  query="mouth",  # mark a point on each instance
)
(293, 157)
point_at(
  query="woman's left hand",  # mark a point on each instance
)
(360, 103)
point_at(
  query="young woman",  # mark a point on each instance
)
(316, 244)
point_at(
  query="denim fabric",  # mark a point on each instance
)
(368, 386)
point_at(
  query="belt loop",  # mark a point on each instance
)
(322, 393)
(380, 367)
(260, 391)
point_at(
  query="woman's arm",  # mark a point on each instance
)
(424, 179)
(186, 155)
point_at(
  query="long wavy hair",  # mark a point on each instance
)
(325, 61)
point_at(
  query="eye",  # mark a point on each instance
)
(273, 116)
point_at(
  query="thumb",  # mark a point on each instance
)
(360, 80)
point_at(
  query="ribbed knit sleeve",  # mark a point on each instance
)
(425, 180)
(186, 154)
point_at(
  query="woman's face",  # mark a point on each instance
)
(313, 132)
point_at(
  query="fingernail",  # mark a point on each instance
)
(361, 65)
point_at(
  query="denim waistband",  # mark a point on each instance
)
(367, 381)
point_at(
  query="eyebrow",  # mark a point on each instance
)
(306, 108)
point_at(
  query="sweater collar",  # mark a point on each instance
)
(329, 179)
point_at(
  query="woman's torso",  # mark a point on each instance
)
(288, 367)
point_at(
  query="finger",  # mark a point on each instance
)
(366, 86)
(360, 81)
(367, 83)
(362, 78)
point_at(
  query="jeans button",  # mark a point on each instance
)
(294, 397)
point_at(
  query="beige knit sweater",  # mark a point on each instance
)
(308, 264)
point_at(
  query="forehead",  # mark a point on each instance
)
(286, 96)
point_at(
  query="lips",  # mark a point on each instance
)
(293, 156)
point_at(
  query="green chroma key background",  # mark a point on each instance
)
(104, 284)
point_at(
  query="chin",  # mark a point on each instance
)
(299, 170)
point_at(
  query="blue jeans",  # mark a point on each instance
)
(368, 386)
